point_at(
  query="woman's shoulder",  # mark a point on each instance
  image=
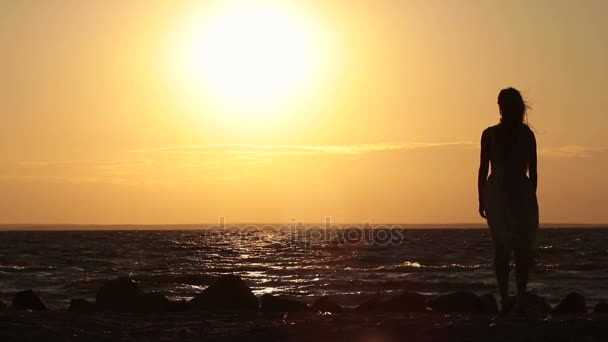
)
(486, 135)
(523, 127)
(528, 131)
(489, 130)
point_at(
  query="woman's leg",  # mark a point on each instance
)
(523, 263)
(524, 260)
(498, 222)
(502, 258)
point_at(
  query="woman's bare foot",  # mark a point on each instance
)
(519, 311)
(506, 306)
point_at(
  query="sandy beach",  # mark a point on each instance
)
(345, 326)
(227, 310)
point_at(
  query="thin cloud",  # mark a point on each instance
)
(74, 171)
(572, 151)
(59, 179)
(252, 150)
(84, 163)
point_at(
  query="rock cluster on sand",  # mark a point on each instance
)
(81, 306)
(601, 308)
(270, 303)
(227, 293)
(404, 302)
(573, 304)
(124, 295)
(231, 293)
(120, 294)
(464, 302)
(28, 300)
(536, 305)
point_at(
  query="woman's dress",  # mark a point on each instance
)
(510, 200)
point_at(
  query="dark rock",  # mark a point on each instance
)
(28, 300)
(373, 304)
(152, 302)
(404, 302)
(121, 294)
(2, 305)
(458, 302)
(124, 295)
(573, 304)
(601, 308)
(270, 303)
(227, 293)
(407, 302)
(325, 304)
(488, 303)
(185, 334)
(534, 305)
(537, 304)
(81, 306)
(177, 306)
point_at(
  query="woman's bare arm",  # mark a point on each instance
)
(532, 167)
(482, 177)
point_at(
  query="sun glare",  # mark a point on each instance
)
(251, 57)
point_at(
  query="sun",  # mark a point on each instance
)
(251, 56)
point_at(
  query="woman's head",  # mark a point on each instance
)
(513, 107)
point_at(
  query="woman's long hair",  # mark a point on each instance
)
(513, 114)
(513, 107)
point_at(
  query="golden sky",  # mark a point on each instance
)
(116, 112)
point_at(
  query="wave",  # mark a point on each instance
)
(413, 267)
(586, 266)
(24, 268)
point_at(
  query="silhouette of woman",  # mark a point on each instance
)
(507, 199)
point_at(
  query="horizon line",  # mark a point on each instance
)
(193, 226)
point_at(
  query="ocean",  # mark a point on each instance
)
(348, 264)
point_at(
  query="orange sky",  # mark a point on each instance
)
(98, 127)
